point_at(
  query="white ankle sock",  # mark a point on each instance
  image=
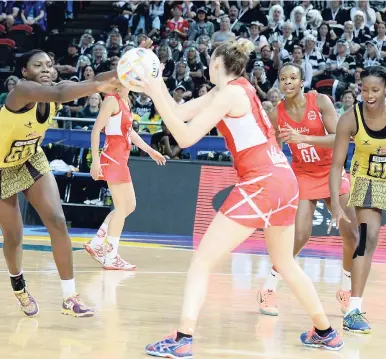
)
(346, 281)
(15, 275)
(272, 280)
(101, 235)
(115, 243)
(355, 303)
(68, 288)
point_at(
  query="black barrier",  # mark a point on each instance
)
(166, 197)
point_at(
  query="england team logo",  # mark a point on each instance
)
(312, 115)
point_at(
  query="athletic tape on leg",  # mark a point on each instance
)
(360, 251)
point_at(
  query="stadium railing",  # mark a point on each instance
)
(82, 139)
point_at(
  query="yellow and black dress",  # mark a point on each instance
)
(368, 166)
(22, 160)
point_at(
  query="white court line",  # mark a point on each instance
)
(246, 353)
(102, 271)
(257, 354)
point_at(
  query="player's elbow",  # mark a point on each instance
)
(184, 143)
(186, 140)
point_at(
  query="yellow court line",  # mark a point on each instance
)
(84, 240)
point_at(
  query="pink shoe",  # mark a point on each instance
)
(118, 263)
(267, 302)
(95, 251)
(343, 297)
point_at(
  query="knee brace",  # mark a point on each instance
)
(360, 251)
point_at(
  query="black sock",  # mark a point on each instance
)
(18, 282)
(182, 335)
(323, 333)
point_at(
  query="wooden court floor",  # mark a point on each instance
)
(135, 309)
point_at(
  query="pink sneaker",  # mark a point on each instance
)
(95, 251)
(267, 302)
(343, 297)
(118, 263)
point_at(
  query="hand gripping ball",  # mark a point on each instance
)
(140, 59)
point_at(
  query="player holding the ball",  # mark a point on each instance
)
(266, 195)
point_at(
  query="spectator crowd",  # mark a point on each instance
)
(333, 41)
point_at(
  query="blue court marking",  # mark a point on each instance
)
(176, 241)
(40, 248)
(86, 232)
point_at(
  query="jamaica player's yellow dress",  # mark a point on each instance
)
(22, 160)
(368, 166)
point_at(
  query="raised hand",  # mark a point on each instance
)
(147, 83)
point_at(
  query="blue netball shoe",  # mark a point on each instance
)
(171, 348)
(331, 341)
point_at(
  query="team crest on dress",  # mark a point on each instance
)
(312, 115)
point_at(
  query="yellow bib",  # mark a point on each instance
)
(367, 160)
(21, 134)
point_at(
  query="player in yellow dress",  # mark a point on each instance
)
(366, 123)
(24, 119)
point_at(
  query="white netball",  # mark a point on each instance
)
(134, 58)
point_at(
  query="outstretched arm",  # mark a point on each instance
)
(190, 109)
(26, 92)
(202, 123)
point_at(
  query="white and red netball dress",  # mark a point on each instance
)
(116, 150)
(267, 193)
(311, 164)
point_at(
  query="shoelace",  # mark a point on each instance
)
(99, 251)
(359, 317)
(25, 298)
(270, 298)
(119, 261)
(79, 300)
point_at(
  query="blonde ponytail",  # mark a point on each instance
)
(244, 46)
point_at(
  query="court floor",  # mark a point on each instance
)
(133, 309)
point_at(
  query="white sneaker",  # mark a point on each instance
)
(118, 263)
(95, 251)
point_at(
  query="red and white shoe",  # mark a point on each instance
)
(95, 251)
(267, 302)
(343, 297)
(118, 263)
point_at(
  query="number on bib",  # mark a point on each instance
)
(309, 154)
(377, 166)
(21, 150)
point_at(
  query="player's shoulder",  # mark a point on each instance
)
(320, 98)
(230, 92)
(110, 99)
(348, 116)
(347, 121)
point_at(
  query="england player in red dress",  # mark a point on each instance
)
(307, 122)
(266, 195)
(115, 119)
